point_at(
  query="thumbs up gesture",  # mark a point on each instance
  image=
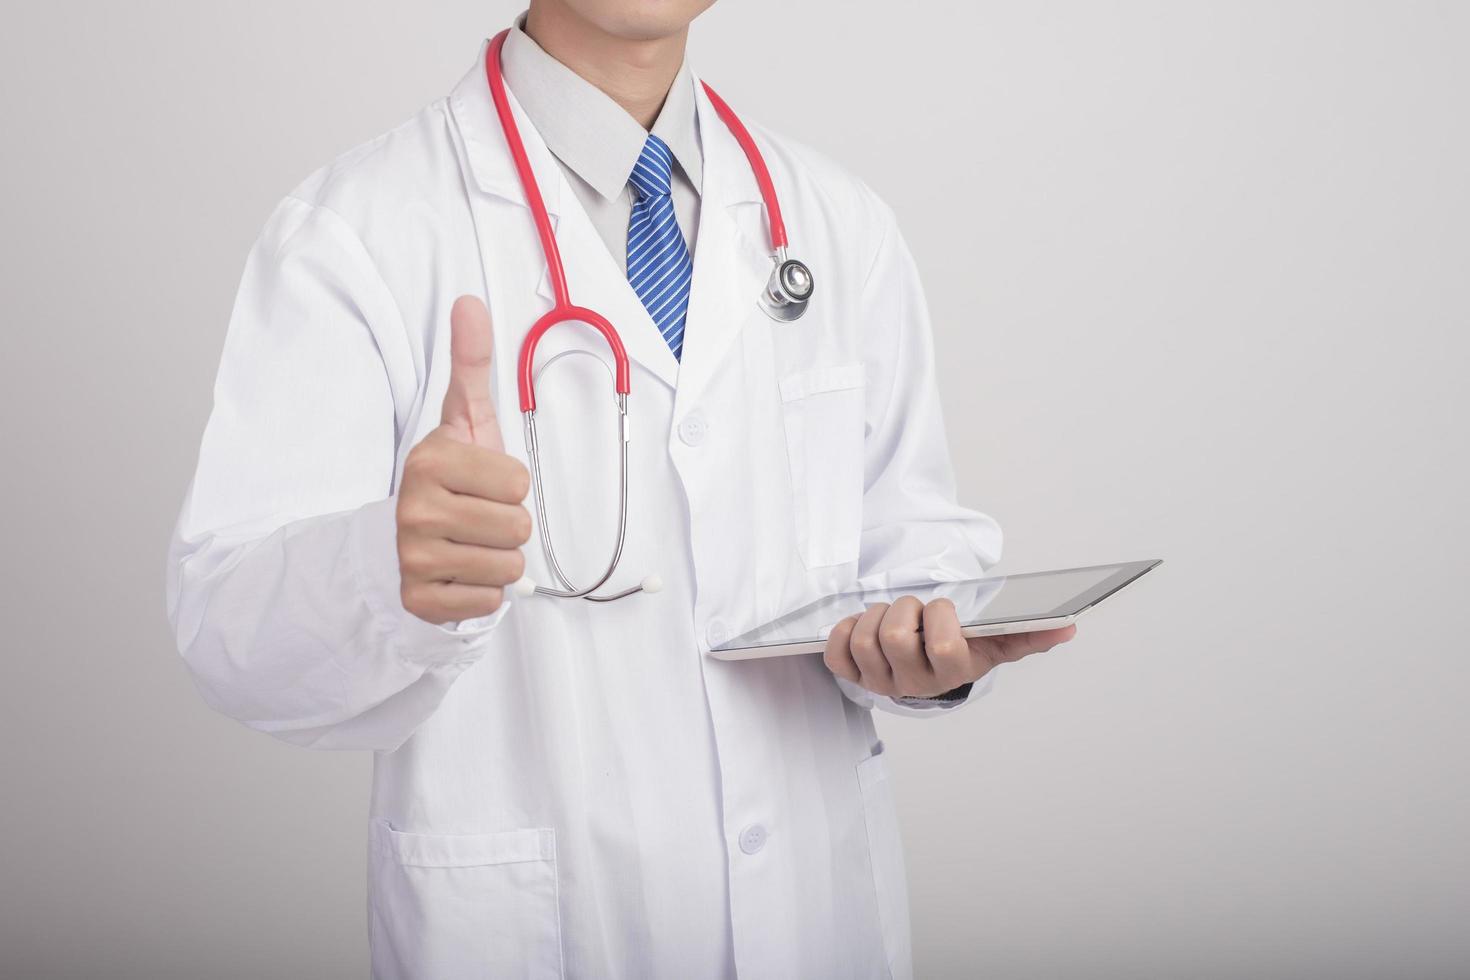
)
(460, 519)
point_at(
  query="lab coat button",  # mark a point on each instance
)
(752, 838)
(693, 429)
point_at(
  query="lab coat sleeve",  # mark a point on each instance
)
(914, 529)
(282, 578)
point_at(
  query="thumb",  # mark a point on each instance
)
(469, 412)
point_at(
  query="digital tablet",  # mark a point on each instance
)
(987, 607)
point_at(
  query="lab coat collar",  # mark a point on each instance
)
(494, 172)
(734, 181)
(586, 130)
(732, 256)
(484, 144)
(593, 276)
(731, 253)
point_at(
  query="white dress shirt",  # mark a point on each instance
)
(596, 142)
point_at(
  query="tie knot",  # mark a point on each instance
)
(653, 173)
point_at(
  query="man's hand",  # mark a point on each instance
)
(460, 519)
(912, 650)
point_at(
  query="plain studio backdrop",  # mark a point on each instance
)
(1198, 274)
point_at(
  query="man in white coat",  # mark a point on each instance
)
(567, 788)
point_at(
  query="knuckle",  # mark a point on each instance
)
(413, 561)
(416, 600)
(895, 636)
(946, 650)
(517, 478)
(494, 599)
(520, 525)
(422, 461)
(502, 567)
(414, 513)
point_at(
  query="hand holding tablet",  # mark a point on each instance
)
(911, 649)
(915, 641)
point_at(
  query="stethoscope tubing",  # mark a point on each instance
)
(564, 311)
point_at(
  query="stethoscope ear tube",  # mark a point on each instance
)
(533, 455)
(789, 290)
(757, 167)
(785, 298)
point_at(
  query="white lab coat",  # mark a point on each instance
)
(567, 788)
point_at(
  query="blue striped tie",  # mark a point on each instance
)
(659, 268)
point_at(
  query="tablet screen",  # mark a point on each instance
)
(982, 601)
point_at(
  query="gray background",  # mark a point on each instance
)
(1198, 273)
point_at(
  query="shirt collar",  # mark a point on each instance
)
(588, 132)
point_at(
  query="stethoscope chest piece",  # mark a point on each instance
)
(788, 291)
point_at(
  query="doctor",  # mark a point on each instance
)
(563, 787)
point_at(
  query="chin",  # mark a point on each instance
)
(639, 20)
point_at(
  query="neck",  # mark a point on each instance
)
(636, 73)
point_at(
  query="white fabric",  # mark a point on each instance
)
(569, 788)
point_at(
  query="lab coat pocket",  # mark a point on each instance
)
(465, 905)
(886, 852)
(823, 415)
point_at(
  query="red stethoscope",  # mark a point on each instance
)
(784, 298)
